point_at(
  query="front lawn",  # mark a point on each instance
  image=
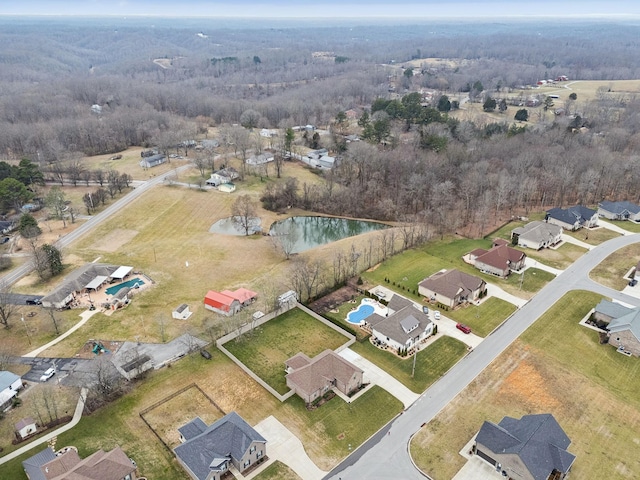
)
(611, 270)
(560, 258)
(483, 319)
(273, 343)
(626, 225)
(432, 362)
(593, 237)
(277, 471)
(531, 281)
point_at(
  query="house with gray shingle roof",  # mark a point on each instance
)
(606, 311)
(401, 330)
(619, 211)
(537, 235)
(573, 218)
(208, 454)
(624, 332)
(10, 383)
(452, 287)
(311, 378)
(531, 448)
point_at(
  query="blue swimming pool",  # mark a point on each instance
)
(357, 316)
(130, 283)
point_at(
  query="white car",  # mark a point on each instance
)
(436, 314)
(50, 372)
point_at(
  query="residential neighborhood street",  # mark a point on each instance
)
(387, 456)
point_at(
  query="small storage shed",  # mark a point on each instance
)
(25, 427)
(182, 312)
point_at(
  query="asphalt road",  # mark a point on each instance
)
(19, 298)
(386, 456)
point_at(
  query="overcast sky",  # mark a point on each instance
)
(326, 8)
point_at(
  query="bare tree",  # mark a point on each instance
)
(54, 320)
(306, 277)
(7, 307)
(244, 211)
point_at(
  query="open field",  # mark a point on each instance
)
(280, 339)
(431, 363)
(532, 377)
(483, 319)
(277, 471)
(587, 89)
(593, 236)
(615, 266)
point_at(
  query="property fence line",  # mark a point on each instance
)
(166, 399)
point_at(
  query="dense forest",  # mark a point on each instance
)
(74, 87)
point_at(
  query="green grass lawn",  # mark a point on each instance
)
(560, 258)
(432, 362)
(615, 266)
(341, 317)
(277, 471)
(626, 225)
(532, 281)
(485, 318)
(280, 339)
(593, 237)
(602, 406)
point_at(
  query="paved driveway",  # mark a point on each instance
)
(284, 446)
(447, 327)
(495, 291)
(575, 241)
(611, 226)
(377, 376)
(477, 469)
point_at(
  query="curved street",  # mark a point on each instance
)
(386, 456)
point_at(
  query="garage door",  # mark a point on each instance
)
(486, 457)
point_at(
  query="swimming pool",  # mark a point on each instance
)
(130, 283)
(358, 315)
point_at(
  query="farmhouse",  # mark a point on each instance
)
(531, 448)
(452, 287)
(67, 465)
(228, 303)
(312, 378)
(537, 235)
(500, 260)
(401, 330)
(207, 453)
(573, 218)
(153, 161)
(10, 383)
(619, 211)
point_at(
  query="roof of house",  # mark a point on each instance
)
(630, 321)
(181, 308)
(570, 215)
(192, 429)
(121, 272)
(323, 368)
(241, 294)
(392, 326)
(76, 280)
(398, 302)
(7, 379)
(450, 283)
(538, 231)
(32, 464)
(612, 309)
(478, 251)
(229, 437)
(96, 282)
(299, 360)
(24, 423)
(538, 440)
(619, 207)
(218, 299)
(501, 257)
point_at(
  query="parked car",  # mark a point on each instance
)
(33, 301)
(463, 328)
(633, 283)
(436, 314)
(50, 372)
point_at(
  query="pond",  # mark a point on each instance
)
(304, 233)
(227, 226)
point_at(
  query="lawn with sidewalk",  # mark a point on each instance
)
(432, 361)
(592, 236)
(560, 258)
(265, 351)
(483, 319)
(611, 270)
(531, 376)
(277, 471)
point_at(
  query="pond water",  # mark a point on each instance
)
(227, 226)
(305, 233)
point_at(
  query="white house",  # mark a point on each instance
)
(401, 330)
(619, 211)
(25, 427)
(10, 383)
(182, 312)
(153, 161)
(537, 235)
(260, 159)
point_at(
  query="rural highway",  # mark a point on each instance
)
(16, 274)
(386, 456)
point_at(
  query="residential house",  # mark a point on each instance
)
(153, 161)
(573, 218)
(10, 383)
(260, 159)
(226, 175)
(624, 332)
(500, 260)
(67, 465)
(207, 453)
(537, 235)
(452, 287)
(25, 427)
(221, 303)
(619, 211)
(244, 296)
(531, 448)
(268, 133)
(402, 330)
(6, 226)
(606, 311)
(181, 312)
(312, 378)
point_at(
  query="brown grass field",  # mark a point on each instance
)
(615, 266)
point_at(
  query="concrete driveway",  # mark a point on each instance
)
(377, 376)
(611, 226)
(575, 241)
(495, 291)
(447, 327)
(477, 469)
(531, 263)
(284, 446)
